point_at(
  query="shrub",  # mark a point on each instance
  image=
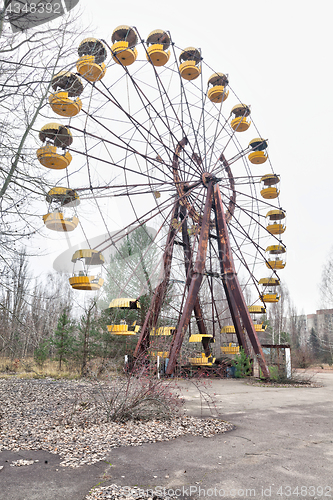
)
(242, 364)
(41, 353)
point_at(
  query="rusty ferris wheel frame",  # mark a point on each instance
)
(171, 136)
(244, 327)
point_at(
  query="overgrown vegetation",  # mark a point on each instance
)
(243, 364)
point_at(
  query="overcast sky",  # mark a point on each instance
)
(278, 56)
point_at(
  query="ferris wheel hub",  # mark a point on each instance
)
(207, 177)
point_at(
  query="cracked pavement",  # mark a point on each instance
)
(283, 439)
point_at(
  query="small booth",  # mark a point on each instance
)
(87, 270)
(65, 101)
(217, 84)
(269, 189)
(240, 122)
(269, 290)
(258, 154)
(92, 54)
(158, 42)
(278, 359)
(124, 40)
(190, 63)
(276, 223)
(55, 136)
(61, 214)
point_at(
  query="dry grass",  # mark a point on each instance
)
(28, 368)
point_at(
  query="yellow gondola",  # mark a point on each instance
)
(57, 222)
(92, 54)
(217, 91)
(257, 309)
(258, 154)
(228, 329)
(276, 257)
(161, 354)
(269, 293)
(71, 86)
(61, 215)
(57, 136)
(124, 329)
(230, 349)
(197, 337)
(270, 297)
(269, 190)
(190, 67)
(123, 49)
(276, 224)
(82, 278)
(203, 360)
(254, 310)
(158, 42)
(260, 327)
(125, 303)
(240, 122)
(163, 331)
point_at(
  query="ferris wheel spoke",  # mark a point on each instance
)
(244, 262)
(149, 104)
(139, 126)
(159, 145)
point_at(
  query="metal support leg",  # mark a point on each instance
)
(237, 303)
(189, 271)
(196, 280)
(160, 292)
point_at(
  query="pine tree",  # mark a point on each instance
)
(243, 364)
(314, 342)
(63, 338)
(88, 342)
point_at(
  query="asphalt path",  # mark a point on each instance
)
(281, 447)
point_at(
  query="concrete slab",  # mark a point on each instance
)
(45, 479)
(283, 441)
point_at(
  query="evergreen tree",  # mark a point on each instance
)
(326, 350)
(132, 273)
(314, 343)
(132, 265)
(242, 364)
(41, 353)
(88, 344)
(63, 338)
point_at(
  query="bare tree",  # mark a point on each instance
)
(13, 307)
(324, 331)
(278, 317)
(28, 62)
(326, 284)
(29, 311)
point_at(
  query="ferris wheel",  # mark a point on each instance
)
(163, 134)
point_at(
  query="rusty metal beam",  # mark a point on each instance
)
(237, 303)
(189, 272)
(234, 313)
(196, 280)
(160, 291)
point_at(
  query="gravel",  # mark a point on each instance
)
(115, 492)
(63, 417)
